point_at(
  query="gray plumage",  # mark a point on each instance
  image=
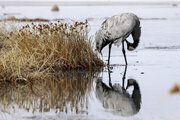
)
(116, 29)
(117, 99)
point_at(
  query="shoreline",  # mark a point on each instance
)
(85, 3)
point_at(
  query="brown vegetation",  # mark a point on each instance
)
(12, 18)
(66, 93)
(175, 89)
(33, 52)
(55, 8)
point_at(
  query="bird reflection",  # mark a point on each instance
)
(117, 98)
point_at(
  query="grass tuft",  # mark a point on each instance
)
(34, 51)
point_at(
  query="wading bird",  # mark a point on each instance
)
(115, 30)
(118, 99)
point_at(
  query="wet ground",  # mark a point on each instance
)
(153, 67)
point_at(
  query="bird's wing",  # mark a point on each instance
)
(119, 25)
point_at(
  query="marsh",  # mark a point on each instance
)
(154, 65)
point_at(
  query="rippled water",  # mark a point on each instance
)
(153, 69)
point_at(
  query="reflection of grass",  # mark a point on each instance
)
(65, 93)
(33, 52)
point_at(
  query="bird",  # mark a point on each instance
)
(118, 99)
(115, 30)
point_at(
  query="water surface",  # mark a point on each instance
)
(154, 65)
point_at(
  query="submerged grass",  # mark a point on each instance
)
(35, 51)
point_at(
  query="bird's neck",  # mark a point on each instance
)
(136, 33)
(136, 96)
(105, 88)
(105, 42)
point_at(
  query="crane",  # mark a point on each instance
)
(116, 30)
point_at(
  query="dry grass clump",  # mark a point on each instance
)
(175, 89)
(66, 93)
(12, 18)
(35, 51)
(55, 8)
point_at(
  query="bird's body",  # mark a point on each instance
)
(118, 99)
(119, 26)
(116, 29)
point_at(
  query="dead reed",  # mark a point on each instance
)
(55, 8)
(12, 18)
(34, 51)
(175, 89)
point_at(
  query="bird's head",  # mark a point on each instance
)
(131, 82)
(130, 46)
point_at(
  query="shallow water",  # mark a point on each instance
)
(154, 65)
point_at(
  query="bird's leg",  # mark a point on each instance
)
(110, 45)
(124, 76)
(109, 73)
(124, 53)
